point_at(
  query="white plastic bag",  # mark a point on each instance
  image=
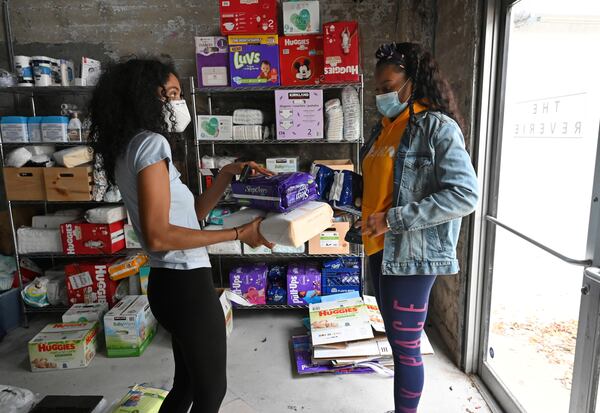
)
(352, 115)
(15, 399)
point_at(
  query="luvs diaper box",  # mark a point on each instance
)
(129, 327)
(254, 60)
(63, 346)
(301, 59)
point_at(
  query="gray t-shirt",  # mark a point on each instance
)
(145, 149)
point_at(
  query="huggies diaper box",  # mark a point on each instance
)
(299, 114)
(254, 60)
(90, 283)
(92, 239)
(129, 327)
(63, 346)
(248, 16)
(301, 60)
(212, 61)
(341, 52)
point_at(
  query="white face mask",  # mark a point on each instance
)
(181, 114)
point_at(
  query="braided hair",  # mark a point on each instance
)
(429, 86)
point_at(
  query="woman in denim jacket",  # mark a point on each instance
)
(418, 184)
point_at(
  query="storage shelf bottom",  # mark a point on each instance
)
(273, 307)
(48, 310)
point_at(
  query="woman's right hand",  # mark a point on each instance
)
(250, 234)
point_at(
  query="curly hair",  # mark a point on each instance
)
(126, 101)
(429, 86)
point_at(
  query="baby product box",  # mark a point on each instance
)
(301, 59)
(303, 282)
(92, 239)
(301, 17)
(283, 165)
(248, 16)
(250, 282)
(341, 52)
(85, 313)
(215, 127)
(89, 283)
(131, 238)
(299, 114)
(254, 60)
(129, 327)
(331, 241)
(63, 346)
(212, 61)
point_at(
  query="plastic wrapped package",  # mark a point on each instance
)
(57, 287)
(141, 399)
(40, 161)
(248, 132)
(113, 194)
(216, 162)
(346, 190)
(126, 267)
(100, 179)
(72, 157)
(278, 193)
(34, 240)
(106, 215)
(324, 178)
(35, 293)
(15, 399)
(42, 150)
(334, 120)
(248, 117)
(242, 217)
(352, 114)
(18, 158)
(223, 248)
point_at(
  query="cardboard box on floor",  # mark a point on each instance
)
(336, 164)
(226, 297)
(129, 327)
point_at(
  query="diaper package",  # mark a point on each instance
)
(278, 193)
(72, 157)
(248, 132)
(248, 117)
(303, 283)
(215, 127)
(34, 240)
(242, 217)
(250, 282)
(215, 217)
(324, 179)
(222, 248)
(334, 120)
(352, 114)
(106, 215)
(346, 190)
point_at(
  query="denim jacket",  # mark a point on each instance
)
(434, 187)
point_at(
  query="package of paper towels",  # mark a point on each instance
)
(294, 228)
(278, 193)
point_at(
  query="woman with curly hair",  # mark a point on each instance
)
(135, 106)
(418, 184)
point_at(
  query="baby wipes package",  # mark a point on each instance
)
(85, 313)
(129, 327)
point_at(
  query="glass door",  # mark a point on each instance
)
(540, 202)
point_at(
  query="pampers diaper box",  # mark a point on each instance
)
(63, 346)
(129, 327)
(254, 60)
(301, 17)
(301, 60)
(299, 114)
(215, 127)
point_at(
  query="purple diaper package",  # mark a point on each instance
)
(212, 61)
(250, 282)
(303, 283)
(278, 193)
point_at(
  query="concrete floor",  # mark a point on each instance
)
(260, 375)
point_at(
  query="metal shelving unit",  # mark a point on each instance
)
(201, 144)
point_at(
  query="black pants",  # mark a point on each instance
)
(186, 304)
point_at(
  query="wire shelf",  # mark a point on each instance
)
(297, 255)
(48, 310)
(65, 203)
(51, 255)
(20, 144)
(48, 90)
(272, 307)
(276, 142)
(228, 89)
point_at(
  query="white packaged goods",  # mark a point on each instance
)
(42, 150)
(50, 221)
(57, 287)
(242, 217)
(63, 346)
(283, 165)
(18, 158)
(223, 248)
(374, 314)
(248, 117)
(72, 157)
(34, 126)
(294, 228)
(85, 313)
(334, 120)
(215, 127)
(106, 215)
(131, 238)
(339, 321)
(281, 249)
(248, 132)
(352, 117)
(33, 240)
(54, 128)
(261, 250)
(90, 71)
(129, 327)
(14, 129)
(217, 162)
(15, 399)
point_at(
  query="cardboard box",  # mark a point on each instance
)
(24, 184)
(250, 282)
(215, 127)
(331, 240)
(301, 17)
(299, 114)
(248, 17)
(336, 164)
(341, 52)
(339, 321)
(227, 310)
(303, 281)
(212, 61)
(131, 238)
(283, 165)
(63, 346)
(85, 313)
(129, 327)
(68, 184)
(301, 60)
(254, 60)
(92, 239)
(89, 283)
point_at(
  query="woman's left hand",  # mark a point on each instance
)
(376, 225)
(237, 168)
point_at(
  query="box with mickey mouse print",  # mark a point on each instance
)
(301, 60)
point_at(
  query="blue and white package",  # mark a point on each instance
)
(324, 179)
(276, 295)
(277, 275)
(346, 190)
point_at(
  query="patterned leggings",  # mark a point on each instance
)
(403, 302)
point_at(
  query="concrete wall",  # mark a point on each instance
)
(110, 29)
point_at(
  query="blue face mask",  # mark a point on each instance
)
(389, 104)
